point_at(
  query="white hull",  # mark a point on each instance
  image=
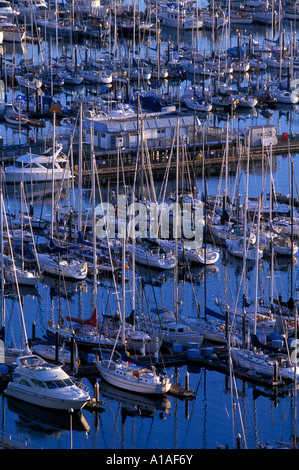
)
(42, 400)
(210, 331)
(24, 278)
(41, 384)
(260, 363)
(153, 260)
(237, 249)
(31, 177)
(48, 352)
(133, 381)
(68, 270)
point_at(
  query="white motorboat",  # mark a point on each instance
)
(264, 364)
(152, 257)
(33, 168)
(42, 384)
(125, 373)
(58, 265)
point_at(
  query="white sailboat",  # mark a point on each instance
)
(237, 248)
(56, 265)
(152, 257)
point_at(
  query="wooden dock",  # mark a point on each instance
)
(211, 158)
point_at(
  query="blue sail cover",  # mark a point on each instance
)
(212, 313)
(127, 358)
(237, 51)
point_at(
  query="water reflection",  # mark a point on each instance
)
(134, 404)
(45, 421)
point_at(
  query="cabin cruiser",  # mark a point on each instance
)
(47, 385)
(33, 168)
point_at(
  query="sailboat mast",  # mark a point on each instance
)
(2, 329)
(80, 173)
(123, 274)
(176, 223)
(257, 263)
(93, 222)
(53, 163)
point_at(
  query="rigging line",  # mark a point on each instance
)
(239, 409)
(2, 208)
(31, 229)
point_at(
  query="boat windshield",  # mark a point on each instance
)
(32, 361)
(59, 383)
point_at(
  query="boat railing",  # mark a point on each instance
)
(7, 441)
(81, 385)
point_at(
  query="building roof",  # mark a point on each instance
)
(152, 122)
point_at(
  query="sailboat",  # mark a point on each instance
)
(265, 364)
(126, 373)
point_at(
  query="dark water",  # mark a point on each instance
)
(223, 406)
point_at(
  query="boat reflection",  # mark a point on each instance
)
(44, 420)
(64, 289)
(134, 404)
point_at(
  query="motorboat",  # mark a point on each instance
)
(46, 385)
(123, 372)
(33, 168)
(62, 266)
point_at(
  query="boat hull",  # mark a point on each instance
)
(34, 398)
(133, 385)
